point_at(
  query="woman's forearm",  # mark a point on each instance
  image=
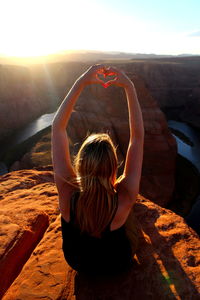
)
(63, 113)
(135, 113)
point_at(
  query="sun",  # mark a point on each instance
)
(34, 28)
(31, 28)
(39, 27)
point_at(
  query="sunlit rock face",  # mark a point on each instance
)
(30, 247)
(28, 203)
(174, 83)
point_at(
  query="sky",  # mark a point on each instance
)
(41, 27)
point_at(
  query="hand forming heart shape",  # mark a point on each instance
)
(102, 77)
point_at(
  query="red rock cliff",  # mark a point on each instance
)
(174, 83)
(166, 264)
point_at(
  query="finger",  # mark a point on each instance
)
(102, 71)
(99, 80)
(93, 70)
(110, 82)
(99, 68)
(113, 70)
(110, 73)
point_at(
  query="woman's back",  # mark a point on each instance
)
(95, 236)
(107, 254)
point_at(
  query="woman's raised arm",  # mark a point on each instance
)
(60, 143)
(134, 156)
(63, 170)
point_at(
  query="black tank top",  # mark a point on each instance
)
(109, 254)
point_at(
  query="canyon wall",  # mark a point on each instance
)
(105, 110)
(29, 91)
(31, 257)
(174, 83)
(19, 100)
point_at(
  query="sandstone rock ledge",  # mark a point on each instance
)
(166, 264)
(28, 203)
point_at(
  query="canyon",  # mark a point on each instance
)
(105, 110)
(30, 235)
(37, 89)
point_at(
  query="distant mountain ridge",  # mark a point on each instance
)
(85, 56)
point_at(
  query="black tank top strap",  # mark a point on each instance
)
(115, 199)
(73, 202)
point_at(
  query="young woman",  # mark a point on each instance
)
(98, 233)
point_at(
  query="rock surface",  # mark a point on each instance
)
(28, 203)
(174, 83)
(166, 264)
(45, 274)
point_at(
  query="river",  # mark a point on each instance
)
(30, 130)
(190, 151)
(27, 132)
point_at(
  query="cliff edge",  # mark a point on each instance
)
(166, 264)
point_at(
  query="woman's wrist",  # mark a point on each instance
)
(129, 84)
(79, 83)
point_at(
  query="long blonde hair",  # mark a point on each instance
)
(96, 167)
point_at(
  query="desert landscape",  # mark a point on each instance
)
(31, 258)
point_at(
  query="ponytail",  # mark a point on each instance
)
(96, 206)
(95, 168)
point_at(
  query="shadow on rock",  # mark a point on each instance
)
(156, 272)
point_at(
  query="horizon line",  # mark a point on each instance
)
(87, 51)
